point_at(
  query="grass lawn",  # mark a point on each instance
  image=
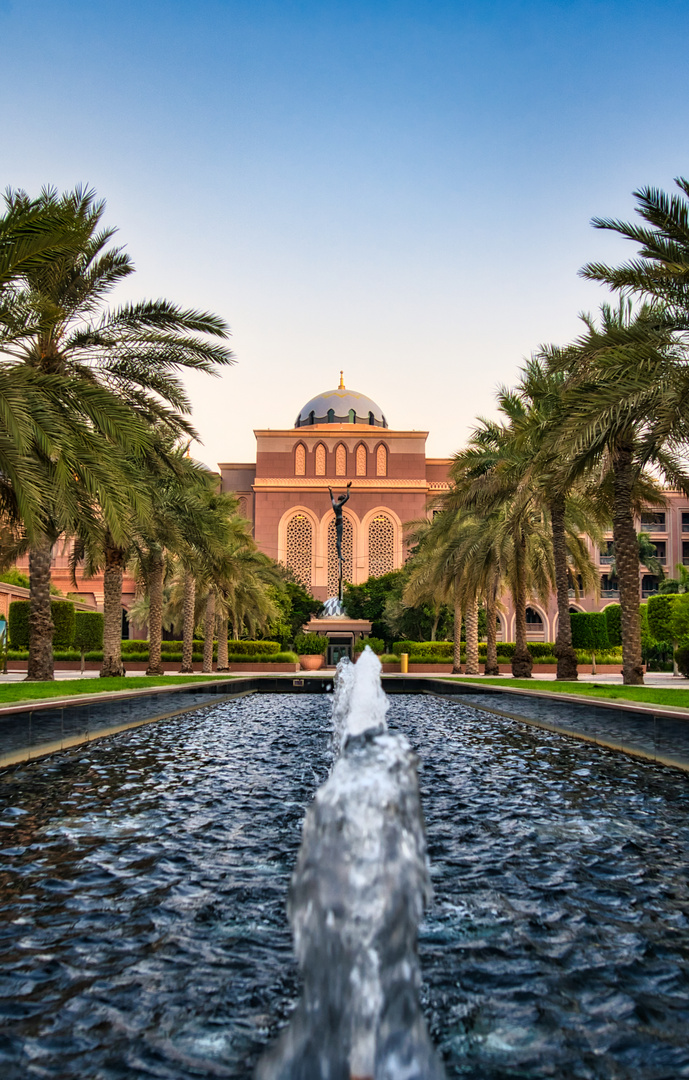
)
(652, 695)
(32, 691)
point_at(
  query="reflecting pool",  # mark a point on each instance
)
(143, 881)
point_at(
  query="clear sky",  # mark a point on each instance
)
(399, 188)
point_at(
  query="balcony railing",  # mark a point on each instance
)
(609, 594)
(606, 559)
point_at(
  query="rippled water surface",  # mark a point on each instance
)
(143, 883)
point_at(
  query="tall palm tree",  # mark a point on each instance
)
(58, 325)
(625, 412)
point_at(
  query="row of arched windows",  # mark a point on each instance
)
(300, 544)
(362, 466)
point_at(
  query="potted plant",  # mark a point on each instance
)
(311, 650)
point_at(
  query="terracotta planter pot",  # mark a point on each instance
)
(311, 663)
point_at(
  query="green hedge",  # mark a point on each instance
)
(374, 643)
(590, 630)
(88, 630)
(286, 657)
(613, 618)
(436, 652)
(63, 619)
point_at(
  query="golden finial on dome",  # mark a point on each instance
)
(342, 385)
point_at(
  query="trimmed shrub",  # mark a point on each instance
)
(659, 610)
(682, 659)
(310, 644)
(589, 631)
(374, 643)
(428, 652)
(613, 618)
(389, 658)
(88, 630)
(19, 624)
(63, 618)
(253, 648)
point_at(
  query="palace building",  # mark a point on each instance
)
(340, 436)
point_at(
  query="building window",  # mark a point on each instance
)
(685, 521)
(341, 461)
(331, 416)
(607, 552)
(685, 552)
(533, 618)
(608, 586)
(352, 416)
(381, 545)
(347, 549)
(371, 419)
(653, 521)
(320, 460)
(300, 460)
(649, 585)
(381, 461)
(241, 506)
(661, 551)
(361, 456)
(300, 548)
(312, 417)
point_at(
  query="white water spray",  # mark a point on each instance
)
(357, 895)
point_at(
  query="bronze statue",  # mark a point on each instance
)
(337, 504)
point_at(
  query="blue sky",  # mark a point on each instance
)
(400, 189)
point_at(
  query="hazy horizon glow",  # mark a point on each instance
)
(402, 190)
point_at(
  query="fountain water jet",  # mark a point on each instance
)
(357, 895)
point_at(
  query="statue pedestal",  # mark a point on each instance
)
(342, 634)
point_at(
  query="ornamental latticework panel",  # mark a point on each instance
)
(381, 461)
(361, 456)
(347, 549)
(300, 548)
(341, 461)
(381, 545)
(320, 460)
(300, 461)
(242, 506)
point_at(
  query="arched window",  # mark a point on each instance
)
(331, 416)
(341, 461)
(241, 506)
(347, 549)
(381, 461)
(320, 460)
(300, 460)
(361, 457)
(312, 417)
(533, 619)
(381, 545)
(352, 416)
(300, 548)
(371, 419)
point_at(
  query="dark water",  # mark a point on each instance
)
(143, 883)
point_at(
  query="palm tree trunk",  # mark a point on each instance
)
(471, 617)
(627, 560)
(457, 639)
(566, 656)
(41, 625)
(522, 661)
(436, 620)
(188, 623)
(209, 632)
(155, 613)
(112, 612)
(491, 666)
(223, 664)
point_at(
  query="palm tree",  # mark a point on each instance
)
(625, 412)
(661, 270)
(58, 325)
